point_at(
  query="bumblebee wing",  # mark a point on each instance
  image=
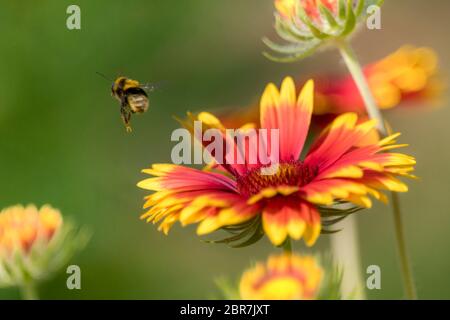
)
(150, 87)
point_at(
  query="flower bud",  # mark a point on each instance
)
(34, 243)
(308, 24)
(289, 277)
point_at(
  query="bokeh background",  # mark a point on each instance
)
(62, 140)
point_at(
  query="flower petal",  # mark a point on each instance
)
(283, 218)
(281, 110)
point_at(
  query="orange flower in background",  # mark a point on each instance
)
(283, 277)
(34, 244)
(408, 75)
(21, 228)
(287, 202)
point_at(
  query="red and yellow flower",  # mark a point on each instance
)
(21, 228)
(336, 168)
(283, 277)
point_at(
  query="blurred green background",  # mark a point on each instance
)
(62, 140)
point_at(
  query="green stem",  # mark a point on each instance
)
(29, 291)
(374, 113)
(287, 246)
(408, 280)
(358, 76)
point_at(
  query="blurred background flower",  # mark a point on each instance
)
(22, 228)
(283, 277)
(291, 277)
(58, 123)
(408, 77)
(34, 244)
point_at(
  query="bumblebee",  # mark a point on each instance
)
(132, 96)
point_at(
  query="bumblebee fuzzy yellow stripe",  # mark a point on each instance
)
(132, 96)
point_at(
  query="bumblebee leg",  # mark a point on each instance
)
(126, 116)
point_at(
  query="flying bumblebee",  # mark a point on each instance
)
(132, 96)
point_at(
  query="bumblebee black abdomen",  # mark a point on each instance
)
(137, 100)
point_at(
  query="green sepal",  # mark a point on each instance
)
(229, 289)
(342, 10)
(288, 49)
(359, 8)
(332, 215)
(330, 287)
(328, 231)
(363, 5)
(294, 57)
(288, 32)
(243, 235)
(329, 17)
(350, 20)
(315, 31)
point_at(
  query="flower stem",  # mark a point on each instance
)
(29, 292)
(374, 113)
(358, 76)
(287, 246)
(408, 280)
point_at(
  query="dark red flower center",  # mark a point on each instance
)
(294, 173)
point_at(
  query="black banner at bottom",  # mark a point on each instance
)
(215, 309)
